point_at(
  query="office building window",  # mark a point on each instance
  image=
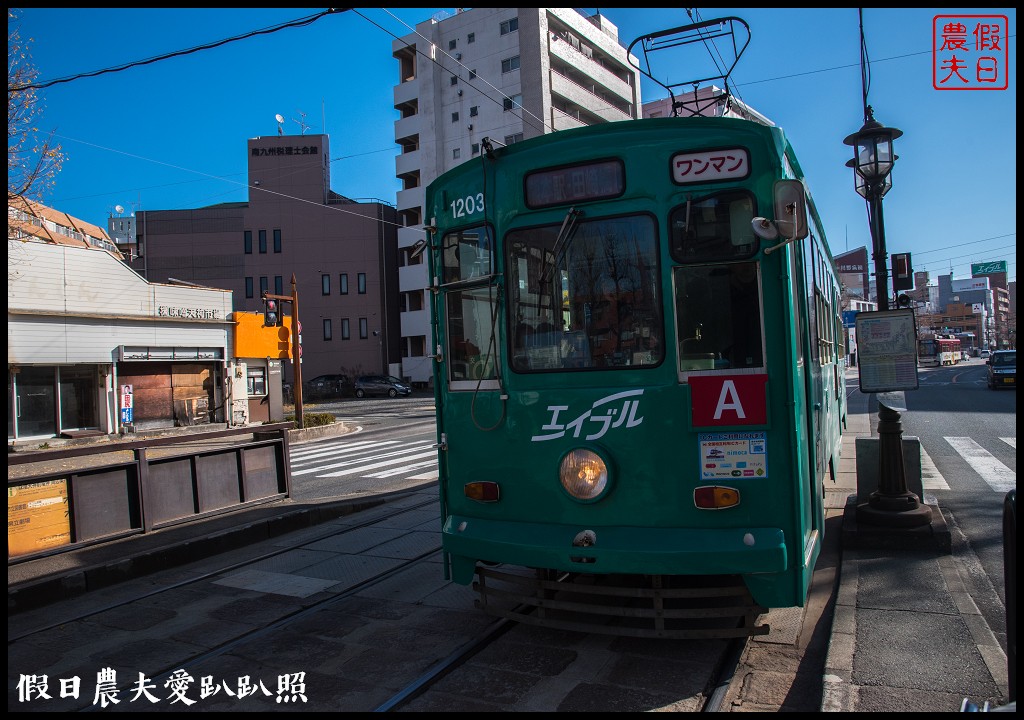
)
(248, 242)
(509, 139)
(472, 74)
(277, 241)
(513, 102)
(362, 329)
(325, 284)
(327, 329)
(510, 64)
(343, 283)
(456, 152)
(248, 287)
(263, 242)
(278, 285)
(474, 111)
(453, 80)
(455, 117)
(471, 38)
(451, 44)
(345, 332)
(476, 148)
(361, 283)
(510, 26)
(263, 285)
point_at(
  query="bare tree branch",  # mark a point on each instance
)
(33, 158)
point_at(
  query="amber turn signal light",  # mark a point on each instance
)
(482, 491)
(715, 497)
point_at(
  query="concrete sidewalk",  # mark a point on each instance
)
(906, 636)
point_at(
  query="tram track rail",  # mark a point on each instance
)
(161, 677)
(15, 637)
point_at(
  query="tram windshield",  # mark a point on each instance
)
(585, 295)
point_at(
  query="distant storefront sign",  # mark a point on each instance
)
(129, 352)
(987, 268)
(187, 313)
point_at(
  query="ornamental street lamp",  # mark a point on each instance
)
(891, 504)
(872, 162)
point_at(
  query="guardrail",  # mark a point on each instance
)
(59, 510)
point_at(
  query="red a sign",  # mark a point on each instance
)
(728, 399)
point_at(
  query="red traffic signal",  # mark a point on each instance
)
(902, 272)
(271, 316)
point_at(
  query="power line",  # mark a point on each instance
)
(974, 242)
(308, 20)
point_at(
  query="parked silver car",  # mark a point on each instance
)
(381, 385)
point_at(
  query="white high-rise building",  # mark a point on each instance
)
(499, 73)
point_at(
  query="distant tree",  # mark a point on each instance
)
(33, 160)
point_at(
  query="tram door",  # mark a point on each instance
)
(805, 324)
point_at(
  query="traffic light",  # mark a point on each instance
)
(902, 273)
(271, 317)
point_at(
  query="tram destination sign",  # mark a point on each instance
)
(887, 350)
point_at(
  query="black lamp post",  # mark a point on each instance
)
(891, 504)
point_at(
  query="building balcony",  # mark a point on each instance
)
(409, 236)
(416, 322)
(408, 163)
(561, 121)
(565, 52)
(406, 92)
(584, 97)
(408, 126)
(413, 197)
(412, 277)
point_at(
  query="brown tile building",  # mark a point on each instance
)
(342, 253)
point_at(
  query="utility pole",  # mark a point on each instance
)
(296, 352)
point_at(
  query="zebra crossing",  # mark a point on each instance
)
(996, 475)
(367, 459)
(418, 460)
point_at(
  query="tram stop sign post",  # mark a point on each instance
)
(887, 358)
(887, 350)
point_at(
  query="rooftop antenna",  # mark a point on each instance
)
(280, 123)
(302, 123)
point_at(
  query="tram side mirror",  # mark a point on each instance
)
(791, 209)
(417, 248)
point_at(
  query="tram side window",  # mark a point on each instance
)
(718, 315)
(585, 295)
(466, 254)
(716, 227)
(471, 348)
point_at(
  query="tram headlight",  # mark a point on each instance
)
(584, 474)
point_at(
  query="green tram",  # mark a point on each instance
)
(639, 368)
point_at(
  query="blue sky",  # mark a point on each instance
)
(172, 134)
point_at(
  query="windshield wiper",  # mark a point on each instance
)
(565, 235)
